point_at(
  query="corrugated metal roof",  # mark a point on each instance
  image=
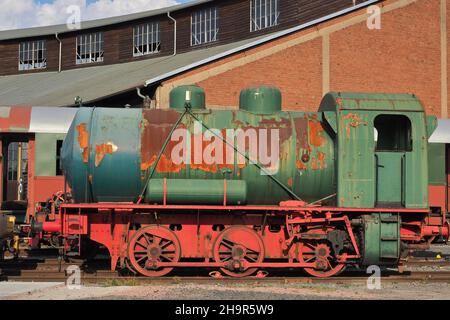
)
(62, 28)
(93, 83)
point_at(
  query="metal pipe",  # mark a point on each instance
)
(60, 52)
(174, 33)
(138, 90)
(19, 170)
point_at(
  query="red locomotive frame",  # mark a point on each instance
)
(200, 237)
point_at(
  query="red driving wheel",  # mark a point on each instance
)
(237, 245)
(150, 246)
(320, 253)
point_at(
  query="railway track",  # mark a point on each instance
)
(51, 269)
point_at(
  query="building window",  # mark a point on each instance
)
(90, 48)
(32, 55)
(204, 26)
(264, 14)
(146, 39)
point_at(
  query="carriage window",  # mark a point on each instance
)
(393, 133)
(59, 171)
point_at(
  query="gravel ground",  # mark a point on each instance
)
(191, 291)
(239, 291)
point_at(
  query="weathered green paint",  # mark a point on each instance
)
(390, 177)
(45, 153)
(208, 192)
(177, 97)
(358, 173)
(114, 178)
(371, 102)
(432, 124)
(260, 100)
(329, 152)
(437, 164)
(381, 239)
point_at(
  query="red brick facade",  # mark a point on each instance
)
(403, 56)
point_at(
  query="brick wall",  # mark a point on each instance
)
(404, 56)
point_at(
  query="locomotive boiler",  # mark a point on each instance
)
(253, 188)
(260, 154)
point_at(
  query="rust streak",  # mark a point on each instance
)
(355, 120)
(300, 165)
(290, 182)
(315, 133)
(83, 140)
(103, 149)
(321, 159)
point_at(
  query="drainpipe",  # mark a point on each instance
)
(60, 52)
(146, 99)
(174, 33)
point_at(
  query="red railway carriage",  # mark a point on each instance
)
(30, 143)
(439, 169)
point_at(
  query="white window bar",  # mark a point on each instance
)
(264, 14)
(90, 48)
(204, 26)
(32, 55)
(146, 39)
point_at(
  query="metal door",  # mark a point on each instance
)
(390, 170)
(17, 171)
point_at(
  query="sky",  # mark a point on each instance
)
(18, 14)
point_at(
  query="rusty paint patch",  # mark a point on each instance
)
(301, 129)
(355, 120)
(300, 165)
(314, 164)
(290, 182)
(102, 150)
(164, 165)
(321, 160)
(83, 140)
(316, 133)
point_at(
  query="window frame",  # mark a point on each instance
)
(408, 134)
(152, 47)
(35, 64)
(207, 35)
(269, 19)
(100, 43)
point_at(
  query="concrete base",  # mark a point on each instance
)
(8, 289)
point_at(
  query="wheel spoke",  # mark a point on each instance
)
(141, 259)
(227, 244)
(147, 238)
(169, 259)
(157, 240)
(168, 243)
(142, 245)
